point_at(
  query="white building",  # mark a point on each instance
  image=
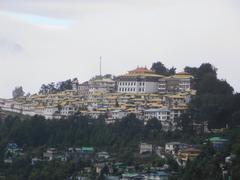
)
(68, 110)
(102, 85)
(118, 114)
(146, 148)
(50, 111)
(13, 106)
(140, 80)
(171, 146)
(2, 102)
(162, 114)
(83, 89)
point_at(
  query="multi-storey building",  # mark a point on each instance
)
(68, 110)
(83, 89)
(140, 80)
(146, 148)
(102, 85)
(162, 114)
(118, 114)
(177, 83)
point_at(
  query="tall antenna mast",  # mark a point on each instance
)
(100, 66)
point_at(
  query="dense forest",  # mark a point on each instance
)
(35, 135)
(81, 131)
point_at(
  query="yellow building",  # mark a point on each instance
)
(188, 154)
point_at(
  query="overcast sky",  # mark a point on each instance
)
(53, 40)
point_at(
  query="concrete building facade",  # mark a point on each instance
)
(140, 80)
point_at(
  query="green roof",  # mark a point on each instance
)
(87, 149)
(213, 139)
(130, 175)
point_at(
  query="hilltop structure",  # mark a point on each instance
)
(140, 80)
(141, 92)
(143, 80)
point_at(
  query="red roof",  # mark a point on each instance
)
(140, 70)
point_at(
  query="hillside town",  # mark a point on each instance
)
(142, 125)
(141, 91)
(100, 162)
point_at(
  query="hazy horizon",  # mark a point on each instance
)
(51, 41)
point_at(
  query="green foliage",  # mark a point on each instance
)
(215, 102)
(208, 165)
(18, 92)
(78, 131)
(204, 167)
(160, 68)
(35, 134)
(153, 128)
(235, 119)
(56, 87)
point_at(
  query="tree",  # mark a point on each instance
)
(214, 101)
(206, 68)
(18, 92)
(152, 128)
(64, 85)
(206, 166)
(209, 84)
(154, 124)
(56, 87)
(191, 70)
(172, 71)
(200, 73)
(28, 94)
(235, 119)
(160, 68)
(185, 122)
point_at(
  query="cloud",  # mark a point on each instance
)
(126, 33)
(41, 21)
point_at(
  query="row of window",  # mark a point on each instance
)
(131, 83)
(158, 113)
(184, 86)
(180, 86)
(131, 89)
(158, 117)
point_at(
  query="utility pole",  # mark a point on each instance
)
(100, 58)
